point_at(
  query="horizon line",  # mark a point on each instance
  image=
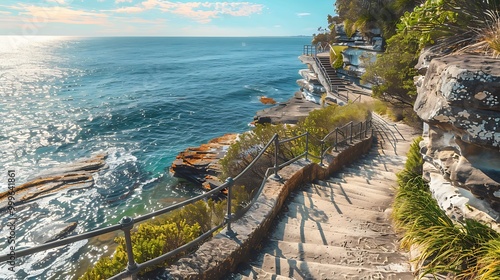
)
(153, 36)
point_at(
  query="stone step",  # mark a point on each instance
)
(368, 173)
(382, 164)
(369, 235)
(335, 255)
(254, 272)
(342, 204)
(363, 186)
(329, 191)
(336, 214)
(312, 270)
(364, 228)
(337, 195)
(377, 184)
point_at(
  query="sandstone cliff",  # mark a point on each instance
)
(459, 101)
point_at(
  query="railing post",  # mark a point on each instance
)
(127, 224)
(366, 128)
(336, 139)
(351, 131)
(361, 131)
(307, 145)
(321, 153)
(276, 177)
(228, 217)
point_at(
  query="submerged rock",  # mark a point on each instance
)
(267, 100)
(63, 232)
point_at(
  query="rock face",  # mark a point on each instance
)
(200, 165)
(459, 100)
(77, 175)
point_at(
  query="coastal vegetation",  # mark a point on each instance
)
(464, 249)
(336, 56)
(318, 123)
(161, 235)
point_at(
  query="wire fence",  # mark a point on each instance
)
(332, 142)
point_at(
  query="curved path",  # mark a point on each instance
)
(340, 228)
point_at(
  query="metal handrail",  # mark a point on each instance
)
(334, 89)
(257, 157)
(127, 223)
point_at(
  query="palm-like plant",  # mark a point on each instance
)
(457, 25)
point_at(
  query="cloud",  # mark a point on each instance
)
(62, 15)
(123, 1)
(303, 14)
(60, 2)
(202, 12)
(130, 10)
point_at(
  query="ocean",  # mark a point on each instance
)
(141, 100)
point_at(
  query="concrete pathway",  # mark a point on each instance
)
(340, 228)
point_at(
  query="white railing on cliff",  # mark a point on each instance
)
(313, 51)
(332, 141)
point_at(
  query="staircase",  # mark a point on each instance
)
(340, 228)
(336, 83)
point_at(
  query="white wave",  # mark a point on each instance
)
(254, 88)
(118, 156)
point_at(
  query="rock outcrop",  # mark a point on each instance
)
(289, 112)
(459, 100)
(77, 175)
(200, 165)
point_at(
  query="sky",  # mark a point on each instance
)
(163, 18)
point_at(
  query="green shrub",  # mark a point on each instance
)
(318, 123)
(165, 233)
(339, 61)
(149, 241)
(336, 58)
(446, 246)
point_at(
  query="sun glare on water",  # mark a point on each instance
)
(13, 43)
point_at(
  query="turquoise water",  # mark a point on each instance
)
(140, 100)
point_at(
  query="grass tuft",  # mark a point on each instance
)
(465, 250)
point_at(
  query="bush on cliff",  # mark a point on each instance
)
(149, 241)
(156, 237)
(318, 123)
(464, 250)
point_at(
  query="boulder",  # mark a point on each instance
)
(462, 94)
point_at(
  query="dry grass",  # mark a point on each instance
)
(488, 37)
(492, 33)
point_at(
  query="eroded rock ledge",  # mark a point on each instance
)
(77, 175)
(200, 165)
(459, 100)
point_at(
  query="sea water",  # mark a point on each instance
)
(141, 100)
